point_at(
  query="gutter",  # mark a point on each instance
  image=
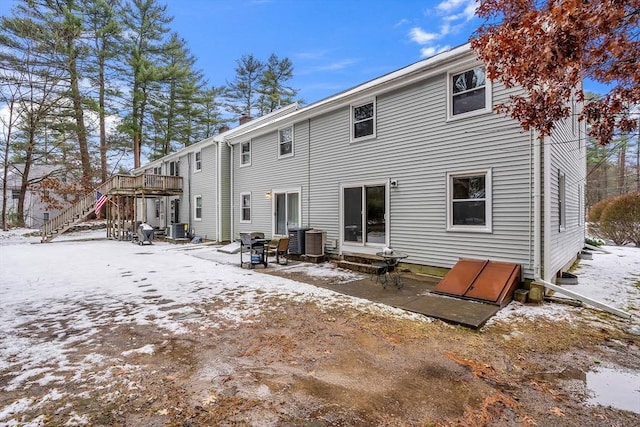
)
(218, 193)
(231, 192)
(539, 270)
(537, 205)
(546, 241)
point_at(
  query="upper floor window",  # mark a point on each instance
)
(469, 92)
(363, 120)
(245, 153)
(285, 142)
(174, 169)
(469, 201)
(157, 170)
(198, 160)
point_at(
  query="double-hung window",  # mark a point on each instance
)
(469, 201)
(562, 202)
(174, 169)
(469, 93)
(245, 206)
(363, 120)
(198, 161)
(285, 142)
(198, 211)
(245, 153)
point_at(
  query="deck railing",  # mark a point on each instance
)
(84, 206)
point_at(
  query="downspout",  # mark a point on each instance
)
(539, 270)
(218, 195)
(541, 238)
(231, 192)
(309, 173)
(546, 242)
(537, 205)
(189, 192)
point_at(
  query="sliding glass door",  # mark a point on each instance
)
(364, 214)
(286, 211)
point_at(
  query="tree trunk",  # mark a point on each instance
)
(81, 130)
(622, 161)
(102, 119)
(5, 168)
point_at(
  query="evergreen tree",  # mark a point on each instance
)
(242, 93)
(273, 91)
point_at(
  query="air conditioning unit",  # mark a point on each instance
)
(177, 230)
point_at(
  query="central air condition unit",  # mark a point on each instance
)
(296, 240)
(177, 231)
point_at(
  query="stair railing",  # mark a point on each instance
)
(78, 210)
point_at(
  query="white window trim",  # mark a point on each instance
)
(352, 139)
(242, 221)
(196, 167)
(242, 165)
(195, 207)
(365, 247)
(488, 227)
(284, 156)
(273, 204)
(562, 201)
(488, 90)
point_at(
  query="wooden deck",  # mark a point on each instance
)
(118, 187)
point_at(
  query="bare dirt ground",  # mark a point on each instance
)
(300, 364)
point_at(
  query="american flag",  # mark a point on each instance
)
(101, 199)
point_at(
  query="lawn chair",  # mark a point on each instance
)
(279, 247)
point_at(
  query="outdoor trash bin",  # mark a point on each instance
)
(145, 233)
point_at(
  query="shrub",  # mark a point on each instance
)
(593, 217)
(593, 241)
(596, 210)
(620, 219)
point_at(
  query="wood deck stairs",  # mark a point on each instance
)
(145, 185)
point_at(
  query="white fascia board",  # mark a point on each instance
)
(401, 77)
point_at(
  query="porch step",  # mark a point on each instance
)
(359, 266)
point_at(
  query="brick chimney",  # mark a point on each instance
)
(223, 129)
(244, 119)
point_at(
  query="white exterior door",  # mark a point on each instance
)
(286, 210)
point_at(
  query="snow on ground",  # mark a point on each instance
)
(82, 283)
(611, 277)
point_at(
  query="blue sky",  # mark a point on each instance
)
(333, 44)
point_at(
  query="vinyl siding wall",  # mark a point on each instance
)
(417, 146)
(204, 183)
(567, 148)
(225, 190)
(266, 173)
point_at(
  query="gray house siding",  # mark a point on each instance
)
(204, 184)
(567, 153)
(267, 173)
(224, 187)
(417, 146)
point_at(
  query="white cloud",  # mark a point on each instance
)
(451, 16)
(450, 5)
(420, 36)
(428, 51)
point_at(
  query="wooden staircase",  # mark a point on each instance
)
(145, 185)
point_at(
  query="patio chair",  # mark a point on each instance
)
(279, 247)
